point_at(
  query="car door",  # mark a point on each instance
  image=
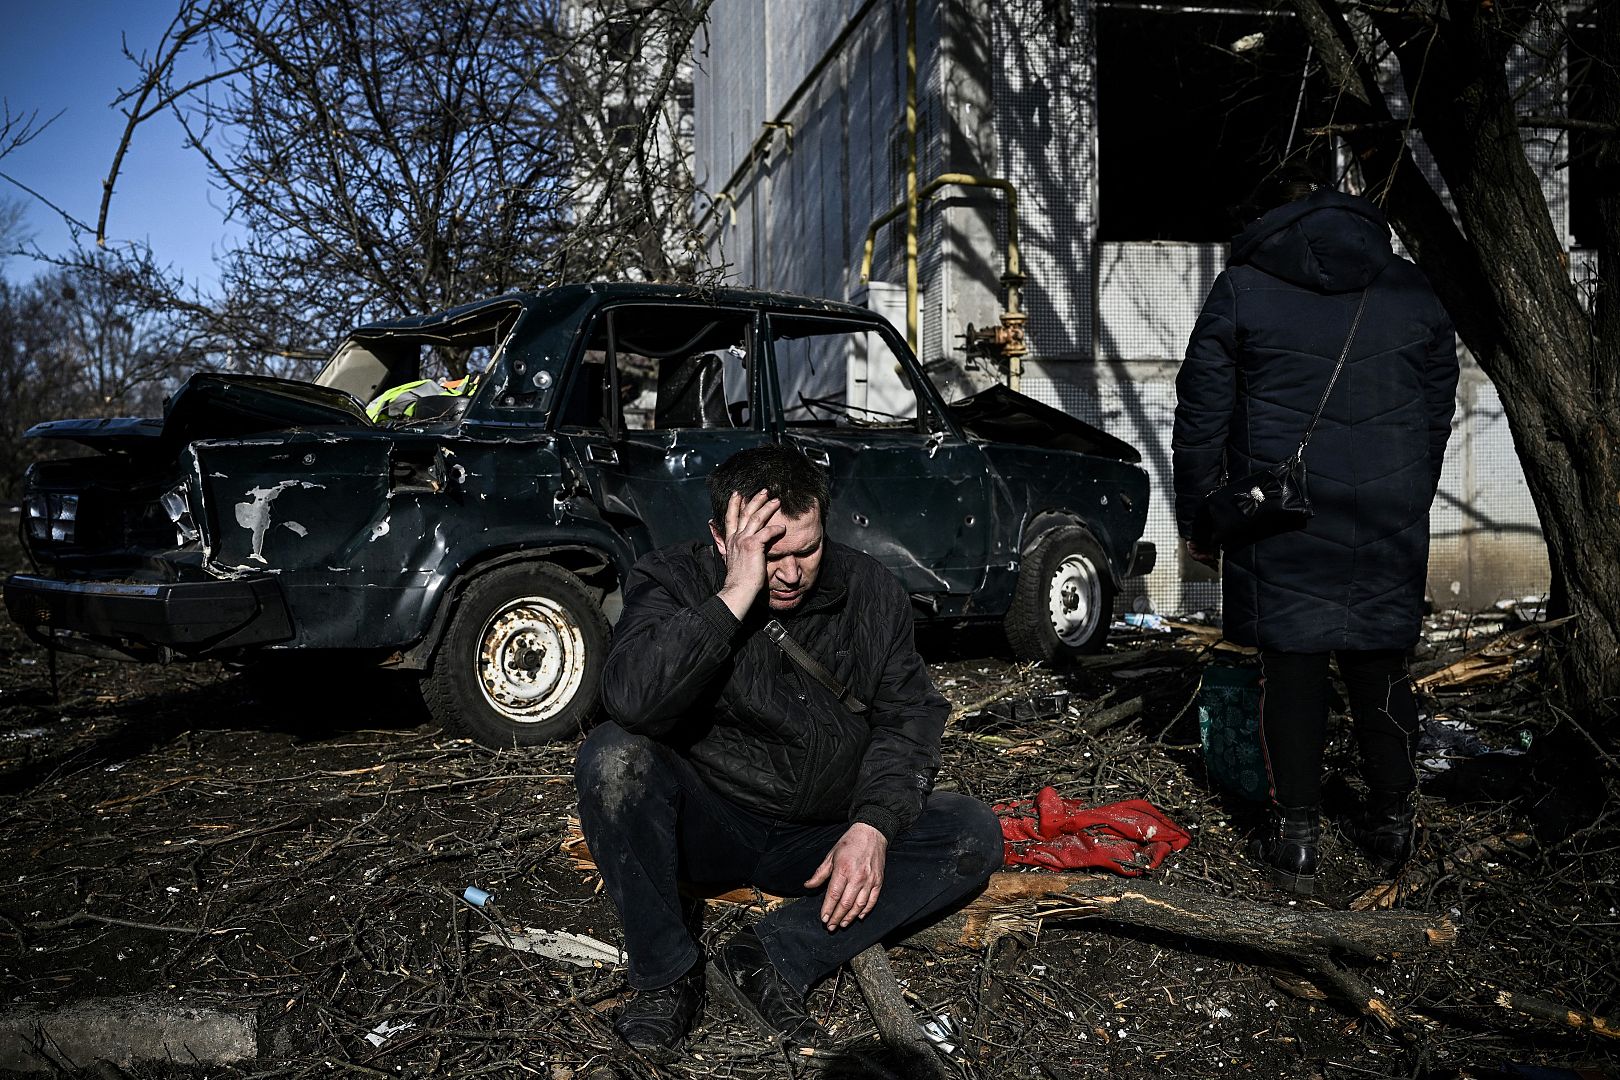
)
(660, 393)
(907, 488)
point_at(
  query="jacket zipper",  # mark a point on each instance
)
(812, 755)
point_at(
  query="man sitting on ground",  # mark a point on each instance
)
(727, 759)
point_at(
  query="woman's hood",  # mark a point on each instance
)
(1328, 241)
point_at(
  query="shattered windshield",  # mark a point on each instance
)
(374, 360)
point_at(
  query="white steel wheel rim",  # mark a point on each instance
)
(531, 659)
(1074, 600)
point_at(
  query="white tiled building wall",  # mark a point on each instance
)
(1107, 322)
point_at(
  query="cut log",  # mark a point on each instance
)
(1020, 902)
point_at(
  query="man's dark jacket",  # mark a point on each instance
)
(1259, 358)
(761, 732)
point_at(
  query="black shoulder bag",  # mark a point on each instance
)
(1267, 501)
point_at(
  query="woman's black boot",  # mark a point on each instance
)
(1290, 847)
(1388, 830)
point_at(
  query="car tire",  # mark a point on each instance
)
(521, 660)
(1064, 600)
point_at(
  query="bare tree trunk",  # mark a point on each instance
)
(1505, 279)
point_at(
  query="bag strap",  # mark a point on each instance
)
(1344, 353)
(796, 652)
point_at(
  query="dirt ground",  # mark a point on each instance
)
(299, 848)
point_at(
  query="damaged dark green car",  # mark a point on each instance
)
(480, 542)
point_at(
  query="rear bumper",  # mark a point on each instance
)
(149, 621)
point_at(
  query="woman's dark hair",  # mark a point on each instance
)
(1284, 184)
(781, 470)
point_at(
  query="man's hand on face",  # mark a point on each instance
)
(751, 528)
(853, 874)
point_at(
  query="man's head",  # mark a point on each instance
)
(793, 561)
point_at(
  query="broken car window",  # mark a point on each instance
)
(677, 367)
(834, 375)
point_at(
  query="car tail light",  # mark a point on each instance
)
(53, 517)
(178, 507)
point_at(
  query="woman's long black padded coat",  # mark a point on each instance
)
(1258, 361)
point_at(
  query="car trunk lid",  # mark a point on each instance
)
(210, 405)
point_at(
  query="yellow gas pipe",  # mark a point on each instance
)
(1011, 334)
(1013, 278)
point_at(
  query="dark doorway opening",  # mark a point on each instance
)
(1197, 104)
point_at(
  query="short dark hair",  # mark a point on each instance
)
(1284, 184)
(786, 473)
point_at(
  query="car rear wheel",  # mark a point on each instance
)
(521, 659)
(1064, 600)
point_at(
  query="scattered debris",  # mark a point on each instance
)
(313, 864)
(576, 949)
(386, 1030)
(1492, 662)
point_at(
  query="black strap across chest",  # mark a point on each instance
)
(813, 667)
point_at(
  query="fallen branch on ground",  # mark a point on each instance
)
(1555, 1013)
(893, 1017)
(1020, 903)
(1492, 662)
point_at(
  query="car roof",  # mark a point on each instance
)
(568, 297)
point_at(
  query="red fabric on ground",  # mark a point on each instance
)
(1127, 837)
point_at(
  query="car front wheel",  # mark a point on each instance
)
(521, 659)
(1064, 600)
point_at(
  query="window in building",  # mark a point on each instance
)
(1196, 104)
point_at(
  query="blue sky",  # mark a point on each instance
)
(65, 56)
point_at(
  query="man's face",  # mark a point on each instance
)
(793, 562)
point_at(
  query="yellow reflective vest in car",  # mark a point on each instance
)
(399, 402)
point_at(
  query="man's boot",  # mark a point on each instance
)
(656, 1022)
(1388, 830)
(760, 993)
(1290, 846)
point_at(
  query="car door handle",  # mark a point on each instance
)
(604, 454)
(818, 457)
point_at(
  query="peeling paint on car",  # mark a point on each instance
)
(254, 513)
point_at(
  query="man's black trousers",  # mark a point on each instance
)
(1294, 715)
(650, 822)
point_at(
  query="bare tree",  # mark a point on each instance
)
(73, 343)
(386, 158)
(1471, 76)
(16, 131)
(626, 73)
(395, 157)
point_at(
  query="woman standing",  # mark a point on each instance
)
(1350, 584)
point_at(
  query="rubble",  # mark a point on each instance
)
(168, 831)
